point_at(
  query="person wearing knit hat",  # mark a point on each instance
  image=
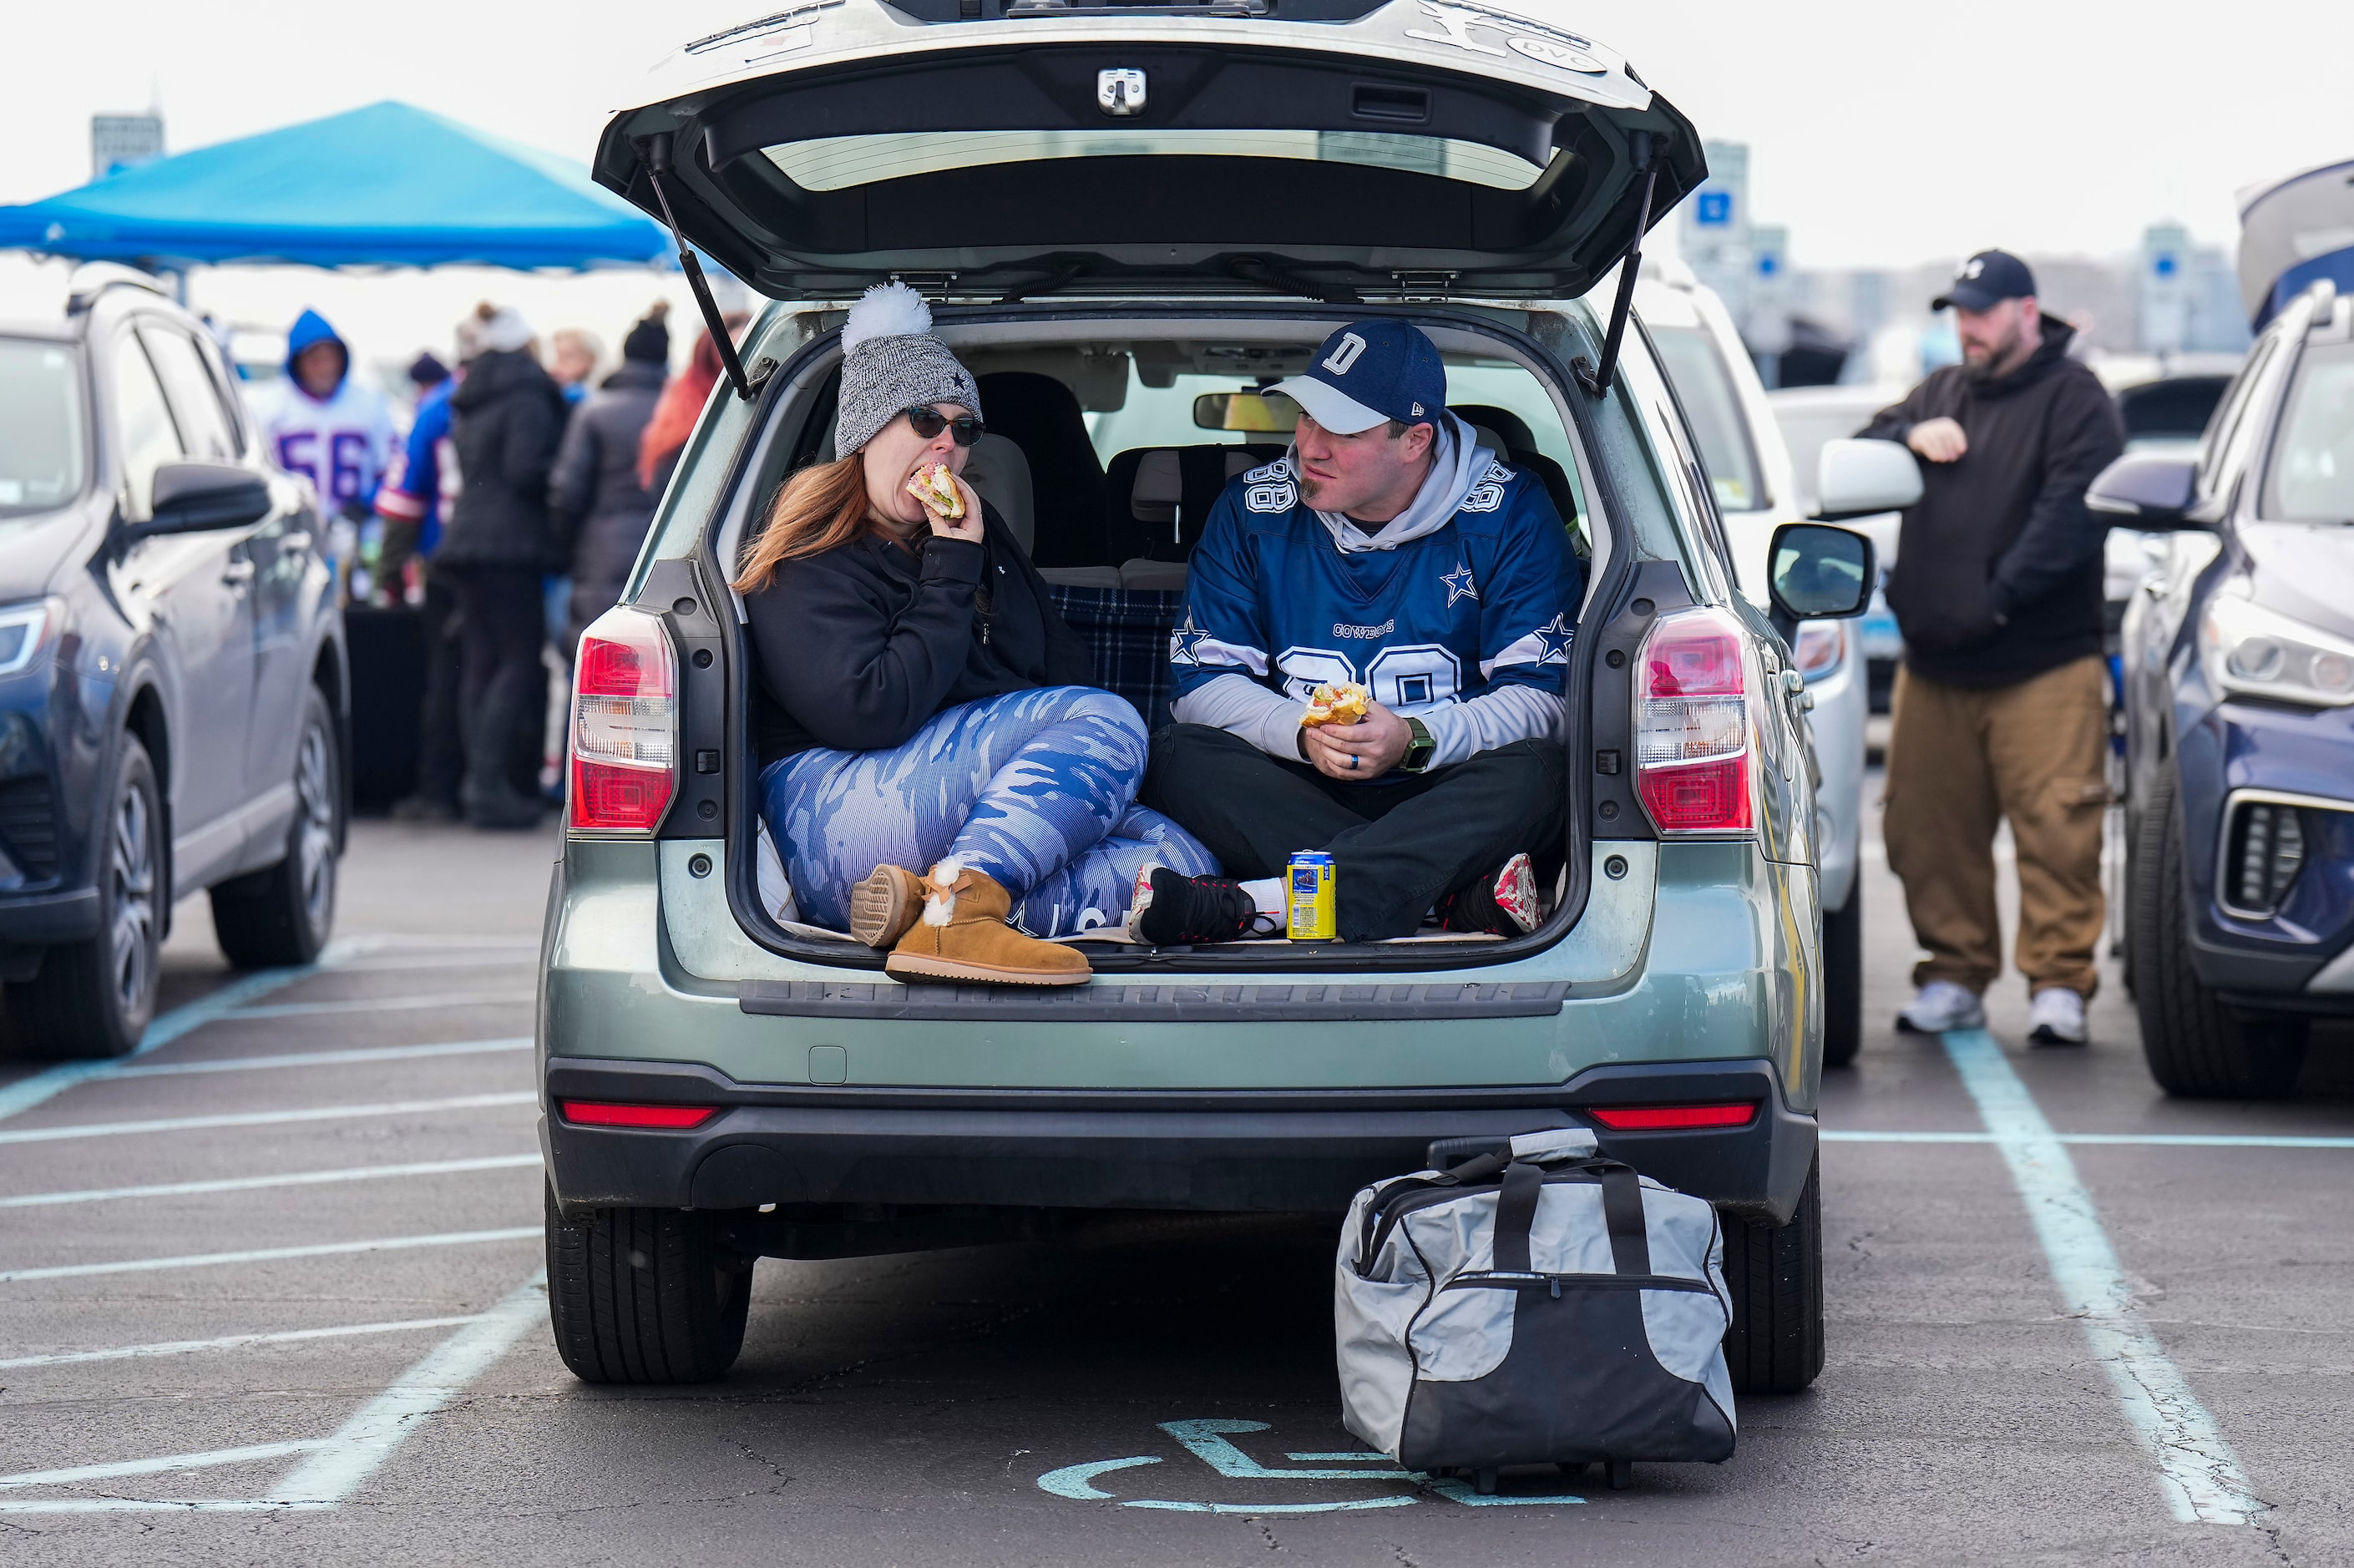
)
(922, 711)
(600, 507)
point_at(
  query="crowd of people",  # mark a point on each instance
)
(507, 519)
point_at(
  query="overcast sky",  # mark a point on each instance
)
(1881, 134)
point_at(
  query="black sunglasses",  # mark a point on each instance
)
(927, 421)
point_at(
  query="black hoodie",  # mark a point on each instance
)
(862, 645)
(506, 419)
(1998, 574)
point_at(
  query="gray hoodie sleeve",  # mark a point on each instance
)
(1241, 706)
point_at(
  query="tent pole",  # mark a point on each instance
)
(657, 153)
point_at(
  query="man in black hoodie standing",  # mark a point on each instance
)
(2001, 706)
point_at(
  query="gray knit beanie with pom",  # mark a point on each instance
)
(891, 361)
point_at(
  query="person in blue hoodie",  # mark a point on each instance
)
(1390, 551)
(324, 423)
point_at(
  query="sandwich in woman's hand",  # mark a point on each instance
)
(937, 489)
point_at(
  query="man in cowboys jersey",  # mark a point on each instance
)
(1390, 549)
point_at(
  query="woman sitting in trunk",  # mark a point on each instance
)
(921, 704)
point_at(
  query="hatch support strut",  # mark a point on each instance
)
(657, 154)
(1596, 379)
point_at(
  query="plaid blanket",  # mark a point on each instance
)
(1127, 634)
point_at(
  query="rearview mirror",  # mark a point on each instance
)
(1856, 479)
(1268, 412)
(195, 496)
(1818, 572)
(2148, 490)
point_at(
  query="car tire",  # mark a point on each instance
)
(283, 913)
(2197, 1047)
(1843, 979)
(95, 997)
(647, 1296)
(1774, 1274)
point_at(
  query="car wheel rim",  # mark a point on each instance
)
(132, 870)
(315, 828)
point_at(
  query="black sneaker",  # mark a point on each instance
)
(1502, 905)
(1170, 909)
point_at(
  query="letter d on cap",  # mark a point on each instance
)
(1345, 355)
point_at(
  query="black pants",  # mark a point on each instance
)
(1396, 846)
(442, 746)
(502, 621)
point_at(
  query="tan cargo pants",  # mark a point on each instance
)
(1959, 760)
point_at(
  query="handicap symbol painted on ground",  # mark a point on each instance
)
(1208, 1441)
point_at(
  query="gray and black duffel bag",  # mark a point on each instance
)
(1544, 1305)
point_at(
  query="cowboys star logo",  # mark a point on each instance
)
(1554, 638)
(1184, 642)
(1459, 585)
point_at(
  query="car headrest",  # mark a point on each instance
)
(1503, 422)
(1482, 435)
(1159, 486)
(1000, 474)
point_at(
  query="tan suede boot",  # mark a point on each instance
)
(883, 906)
(964, 936)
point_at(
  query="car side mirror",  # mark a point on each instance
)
(1818, 572)
(2146, 490)
(1856, 479)
(194, 496)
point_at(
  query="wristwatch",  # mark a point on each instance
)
(1419, 750)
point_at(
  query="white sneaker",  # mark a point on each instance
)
(2056, 1017)
(1941, 1005)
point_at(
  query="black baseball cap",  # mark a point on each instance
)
(1985, 280)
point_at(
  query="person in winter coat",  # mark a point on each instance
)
(2002, 706)
(507, 421)
(680, 406)
(600, 509)
(921, 704)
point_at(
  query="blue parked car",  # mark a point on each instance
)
(172, 673)
(2239, 689)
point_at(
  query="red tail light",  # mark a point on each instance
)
(595, 1113)
(1693, 738)
(624, 725)
(1662, 1118)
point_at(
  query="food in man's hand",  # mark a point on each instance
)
(1337, 702)
(937, 489)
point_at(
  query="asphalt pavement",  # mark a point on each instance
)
(271, 1293)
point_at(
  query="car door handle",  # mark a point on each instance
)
(237, 574)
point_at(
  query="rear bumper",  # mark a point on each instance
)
(1290, 1151)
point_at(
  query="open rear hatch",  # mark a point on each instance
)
(1420, 150)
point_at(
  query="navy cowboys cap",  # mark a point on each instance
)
(1985, 280)
(1368, 372)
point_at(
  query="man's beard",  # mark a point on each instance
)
(1997, 355)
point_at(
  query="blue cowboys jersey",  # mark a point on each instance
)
(1488, 599)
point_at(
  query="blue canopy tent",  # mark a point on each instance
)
(387, 186)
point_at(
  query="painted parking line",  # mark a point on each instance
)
(262, 1118)
(2198, 1473)
(2108, 1139)
(27, 1092)
(382, 1004)
(323, 1058)
(333, 1467)
(288, 1178)
(363, 1443)
(271, 1254)
(1209, 1440)
(231, 1343)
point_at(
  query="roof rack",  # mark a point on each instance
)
(93, 278)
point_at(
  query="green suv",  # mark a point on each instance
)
(1125, 216)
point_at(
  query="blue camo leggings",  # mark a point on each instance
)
(1035, 789)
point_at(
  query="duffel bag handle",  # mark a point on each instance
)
(1622, 1214)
